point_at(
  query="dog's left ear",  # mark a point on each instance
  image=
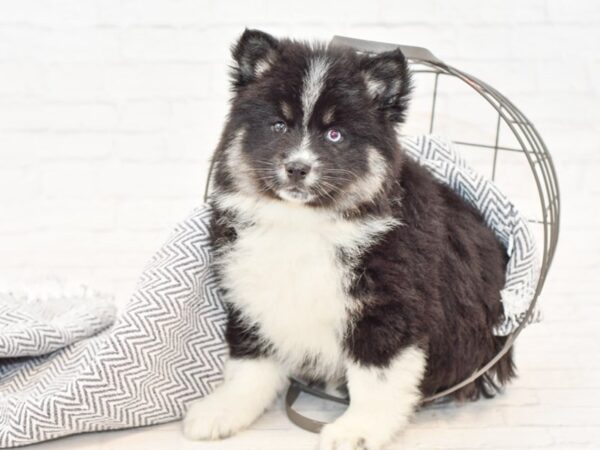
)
(252, 54)
(388, 82)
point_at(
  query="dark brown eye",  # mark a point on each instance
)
(279, 127)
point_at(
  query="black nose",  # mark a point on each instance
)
(297, 171)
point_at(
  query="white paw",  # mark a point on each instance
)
(210, 419)
(350, 435)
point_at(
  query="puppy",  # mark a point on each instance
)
(340, 259)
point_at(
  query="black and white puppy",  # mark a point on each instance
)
(339, 258)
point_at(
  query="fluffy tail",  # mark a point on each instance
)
(490, 383)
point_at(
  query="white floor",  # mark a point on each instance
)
(555, 402)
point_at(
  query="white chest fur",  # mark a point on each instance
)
(283, 273)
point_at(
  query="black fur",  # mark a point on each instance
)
(253, 47)
(435, 280)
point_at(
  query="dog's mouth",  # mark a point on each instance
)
(295, 195)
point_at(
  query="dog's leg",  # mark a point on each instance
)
(382, 400)
(250, 386)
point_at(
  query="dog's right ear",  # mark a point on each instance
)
(252, 55)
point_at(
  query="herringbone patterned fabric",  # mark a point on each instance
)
(37, 321)
(165, 350)
(167, 347)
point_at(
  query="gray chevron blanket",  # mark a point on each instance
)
(167, 347)
(49, 316)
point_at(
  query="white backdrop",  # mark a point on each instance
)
(109, 111)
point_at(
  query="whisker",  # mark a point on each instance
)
(322, 192)
(336, 178)
(331, 170)
(331, 185)
(321, 189)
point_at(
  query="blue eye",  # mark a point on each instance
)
(333, 135)
(279, 127)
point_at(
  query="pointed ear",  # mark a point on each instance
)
(252, 55)
(388, 82)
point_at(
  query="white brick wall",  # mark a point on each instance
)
(109, 109)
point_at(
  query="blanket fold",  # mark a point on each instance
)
(39, 320)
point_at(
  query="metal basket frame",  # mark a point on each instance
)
(540, 162)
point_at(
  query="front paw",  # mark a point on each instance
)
(344, 434)
(208, 420)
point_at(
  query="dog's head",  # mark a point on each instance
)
(312, 124)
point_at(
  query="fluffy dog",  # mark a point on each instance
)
(340, 259)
